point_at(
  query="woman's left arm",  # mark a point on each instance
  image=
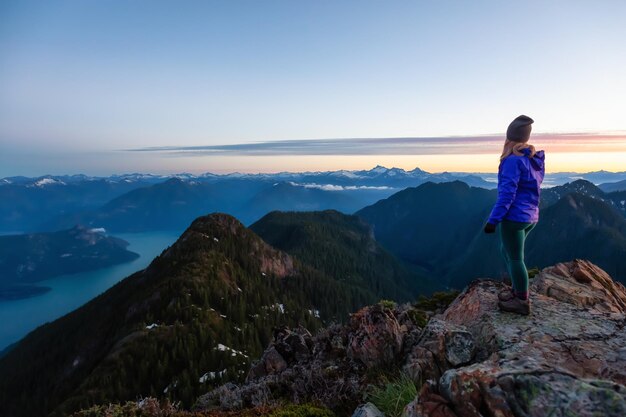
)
(508, 180)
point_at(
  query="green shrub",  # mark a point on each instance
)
(438, 301)
(301, 410)
(387, 304)
(418, 317)
(532, 272)
(394, 395)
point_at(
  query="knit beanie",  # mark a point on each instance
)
(519, 129)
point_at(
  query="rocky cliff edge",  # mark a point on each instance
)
(568, 358)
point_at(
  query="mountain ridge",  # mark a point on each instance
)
(342, 246)
(190, 319)
(189, 306)
(439, 227)
(598, 177)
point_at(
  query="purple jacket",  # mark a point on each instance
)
(519, 182)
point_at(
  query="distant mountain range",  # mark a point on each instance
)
(379, 175)
(615, 199)
(143, 202)
(27, 202)
(138, 202)
(29, 258)
(439, 228)
(614, 186)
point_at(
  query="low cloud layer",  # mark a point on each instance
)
(334, 187)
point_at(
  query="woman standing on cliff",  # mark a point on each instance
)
(520, 175)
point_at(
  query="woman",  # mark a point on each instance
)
(520, 175)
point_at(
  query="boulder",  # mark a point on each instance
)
(443, 345)
(583, 284)
(428, 403)
(513, 392)
(421, 365)
(367, 410)
(289, 347)
(376, 336)
(451, 344)
(293, 345)
(567, 358)
(273, 361)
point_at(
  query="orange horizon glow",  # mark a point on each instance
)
(567, 152)
(578, 162)
(576, 153)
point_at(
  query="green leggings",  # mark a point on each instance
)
(513, 236)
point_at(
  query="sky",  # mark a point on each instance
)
(103, 87)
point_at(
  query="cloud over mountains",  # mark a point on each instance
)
(556, 142)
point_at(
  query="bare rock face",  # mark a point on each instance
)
(453, 345)
(273, 361)
(583, 284)
(567, 358)
(367, 410)
(443, 345)
(376, 337)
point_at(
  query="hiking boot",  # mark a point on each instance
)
(515, 305)
(506, 294)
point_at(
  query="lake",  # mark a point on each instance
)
(19, 317)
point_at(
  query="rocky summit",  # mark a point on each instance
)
(568, 358)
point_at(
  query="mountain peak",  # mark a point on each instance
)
(417, 170)
(174, 181)
(378, 169)
(217, 222)
(223, 233)
(582, 184)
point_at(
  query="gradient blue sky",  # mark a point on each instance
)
(83, 81)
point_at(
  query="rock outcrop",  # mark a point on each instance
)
(330, 367)
(582, 284)
(567, 358)
(367, 410)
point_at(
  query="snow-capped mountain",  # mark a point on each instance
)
(377, 176)
(143, 201)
